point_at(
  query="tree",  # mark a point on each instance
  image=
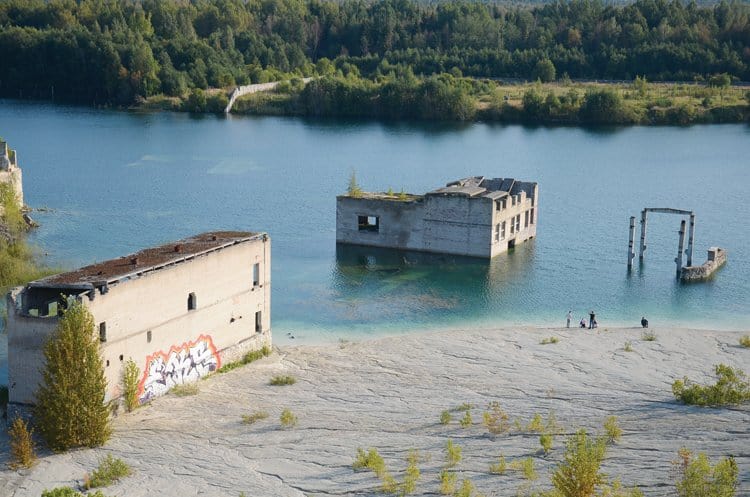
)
(601, 106)
(70, 409)
(578, 475)
(698, 478)
(544, 71)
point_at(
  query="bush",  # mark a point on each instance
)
(452, 454)
(466, 489)
(499, 467)
(185, 389)
(22, 450)
(70, 409)
(603, 106)
(109, 471)
(549, 340)
(370, 460)
(526, 467)
(445, 417)
(496, 420)
(698, 478)
(283, 380)
(354, 189)
(248, 419)
(249, 357)
(288, 419)
(731, 388)
(612, 429)
(545, 440)
(628, 346)
(536, 424)
(466, 421)
(648, 336)
(447, 482)
(578, 474)
(745, 341)
(130, 375)
(412, 473)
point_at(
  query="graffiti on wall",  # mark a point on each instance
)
(182, 364)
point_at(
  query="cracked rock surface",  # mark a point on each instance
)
(389, 394)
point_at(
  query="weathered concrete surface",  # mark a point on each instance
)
(389, 393)
(717, 257)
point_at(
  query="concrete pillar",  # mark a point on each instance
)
(631, 240)
(678, 259)
(644, 220)
(691, 236)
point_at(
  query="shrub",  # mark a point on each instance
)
(70, 409)
(370, 460)
(603, 106)
(248, 419)
(612, 429)
(499, 467)
(648, 336)
(466, 421)
(549, 340)
(447, 482)
(130, 375)
(22, 450)
(466, 489)
(698, 478)
(249, 357)
(411, 475)
(496, 420)
(354, 189)
(445, 417)
(526, 467)
(578, 474)
(109, 471)
(452, 454)
(463, 407)
(731, 388)
(628, 346)
(61, 492)
(745, 340)
(536, 424)
(545, 440)
(185, 389)
(283, 380)
(288, 419)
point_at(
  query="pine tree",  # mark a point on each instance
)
(70, 410)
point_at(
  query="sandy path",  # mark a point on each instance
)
(389, 394)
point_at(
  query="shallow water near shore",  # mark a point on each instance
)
(112, 182)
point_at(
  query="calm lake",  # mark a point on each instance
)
(113, 182)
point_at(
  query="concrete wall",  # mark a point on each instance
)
(458, 225)
(527, 208)
(147, 319)
(401, 222)
(10, 172)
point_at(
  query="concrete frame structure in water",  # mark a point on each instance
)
(178, 310)
(473, 216)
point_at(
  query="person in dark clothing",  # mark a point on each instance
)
(592, 320)
(644, 322)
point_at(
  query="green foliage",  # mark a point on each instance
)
(249, 357)
(745, 341)
(371, 460)
(549, 340)
(22, 449)
(499, 467)
(612, 429)
(70, 410)
(731, 388)
(579, 475)
(248, 419)
(445, 417)
(130, 375)
(466, 421)
(466, 489)
(109, 471)
(536, 424)
(698, 478)
(603, 106)
(185, 389)
(452, 454)
(722, 80)
(283, 380)
(495, 419)
(628, 346)
(447, 482)
(544, 71)
(288, 419)
(354, 189)
(526, 467)
(545, 440)
(411, 475)
(62, 492)
(640, 85)
(648, 336)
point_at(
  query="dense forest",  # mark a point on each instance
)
(116, 52)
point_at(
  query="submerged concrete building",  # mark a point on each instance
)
(178, 310)
(474, 216)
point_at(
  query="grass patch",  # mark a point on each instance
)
(445, 417)
(536, 424)
(452, 454)
(628, 346)
(371, 460)
(287, 419)
(648, 336)
(549, 340)
(69, 492)
(185, 389)
(745, 341)
(249, 357)
(109, 471)
(447, 482)
(495, 419)
(499, 467)
(248, 419)
(731, 388)
(463, 407)
(466, 421)
(282, 380)
(525, 467)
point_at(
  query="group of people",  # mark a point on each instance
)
(591, 324)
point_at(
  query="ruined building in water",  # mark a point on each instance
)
(179, 311)
(10, 173)
(473, 216)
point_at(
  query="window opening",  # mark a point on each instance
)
(148, 336)
(497, 232)
(258, 322)
(531, 217)
(192, 302)
(368, 223)
(256, 274)
(502, 230)
(103, 331)
(526, 219)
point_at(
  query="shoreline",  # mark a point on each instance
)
(389, 392)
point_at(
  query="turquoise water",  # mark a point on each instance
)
(115, 182)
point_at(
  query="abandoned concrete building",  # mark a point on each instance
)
(472, 216)
(178, 310)
(10, 173)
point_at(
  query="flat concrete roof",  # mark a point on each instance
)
(147, 259)
(479, 186)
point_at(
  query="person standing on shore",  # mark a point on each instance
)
(568, 319)
(592, 319)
